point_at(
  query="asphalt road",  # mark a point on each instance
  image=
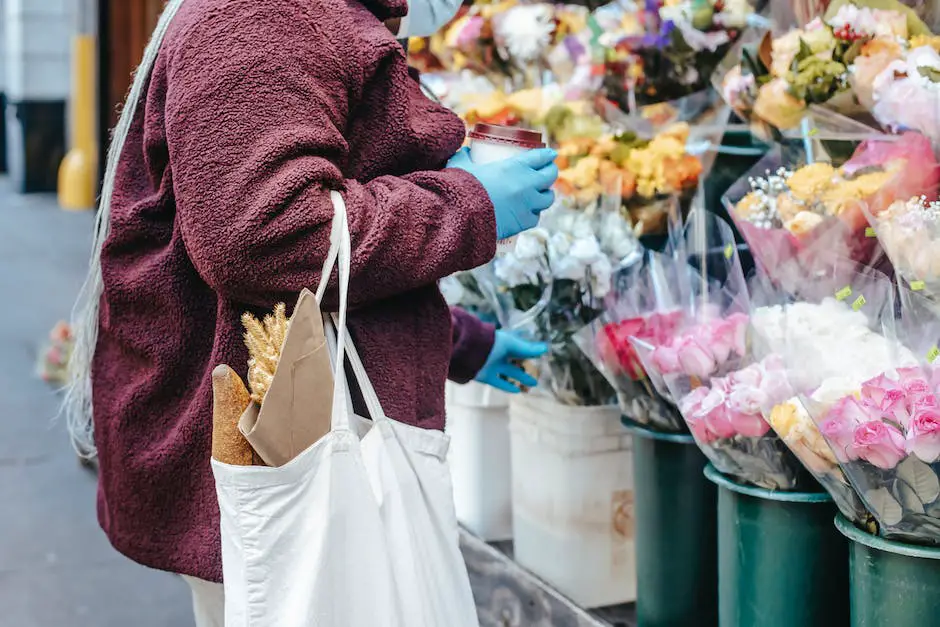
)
(56, 567)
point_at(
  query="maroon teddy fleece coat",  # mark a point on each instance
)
(254, 110)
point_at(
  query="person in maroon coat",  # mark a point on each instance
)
(221, 168)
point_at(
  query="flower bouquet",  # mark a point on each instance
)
(510, 63)
(642, 177)
(787, 211)
(905, 93)
(831, 327)
(553, 284)
(463, 290)
(673, 48)
(645, 304)
(834, 60)
(909, 232)
(709, 370)
(885, 429)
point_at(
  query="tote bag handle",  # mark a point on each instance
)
(340, 250)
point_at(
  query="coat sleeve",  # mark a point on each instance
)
(255, 128)
(472, 342)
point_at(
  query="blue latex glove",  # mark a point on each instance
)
(519, 187)
(499, 370)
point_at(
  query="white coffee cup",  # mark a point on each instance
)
(493, 142)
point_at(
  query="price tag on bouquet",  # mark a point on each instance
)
(932, 355)
(859, 302)
(844, 293)
(918, 286)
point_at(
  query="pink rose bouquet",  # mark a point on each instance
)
(704, 349)
(726, 416)
(606, 342)
(886, 437)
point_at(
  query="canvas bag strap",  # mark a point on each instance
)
(332, 322)
(341, 396)
(376, 413)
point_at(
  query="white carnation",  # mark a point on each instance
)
(527, 31)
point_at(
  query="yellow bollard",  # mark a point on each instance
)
(78, 173)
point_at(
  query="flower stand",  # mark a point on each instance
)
(572, 497)
(891, 583)
(478, 423)
(676, 534)
(781, 562)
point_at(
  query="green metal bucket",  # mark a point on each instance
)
(891, 584)
(676, 534)
(781, 563)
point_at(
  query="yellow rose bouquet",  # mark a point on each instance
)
(790, 208)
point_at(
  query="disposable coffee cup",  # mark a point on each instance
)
(493, 142)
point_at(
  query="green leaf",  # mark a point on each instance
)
(884, 506)
(921, 478)
(804, 53)
(931, 74)
(854, 51)
(908, 498)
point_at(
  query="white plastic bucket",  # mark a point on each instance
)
(572, 470)
(478, 423)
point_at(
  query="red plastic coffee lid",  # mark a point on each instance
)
(498, 134)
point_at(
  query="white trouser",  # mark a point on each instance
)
(208, 602)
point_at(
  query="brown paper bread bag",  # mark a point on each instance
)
(298, 405)
(230, 397)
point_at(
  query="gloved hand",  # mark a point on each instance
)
(500, 372)
(519, 187)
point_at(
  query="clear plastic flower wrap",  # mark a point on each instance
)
(794, 202)
(463, 290)
(884, 429)
(646, 303)
(553, 284)
(815, 332)
(710, 371)
(909, 232)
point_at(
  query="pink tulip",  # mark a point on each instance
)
(923, 436)
(691, 408)
(691, 403)
(879, 444)
(776, 388)
(666, 359)
(739, 323)
(702, 433)
(720, 422)
(718, 336)
(840, 424)
(749, 377)
(722, 384)
(747, 425)
(695, 359)
(746, 400)
(711, 411)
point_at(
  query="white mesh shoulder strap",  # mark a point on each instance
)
(77, 405)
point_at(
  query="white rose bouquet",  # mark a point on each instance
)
(554, 283)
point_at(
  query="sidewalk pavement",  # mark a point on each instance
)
(56, 567)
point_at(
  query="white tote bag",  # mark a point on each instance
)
(359, 530)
